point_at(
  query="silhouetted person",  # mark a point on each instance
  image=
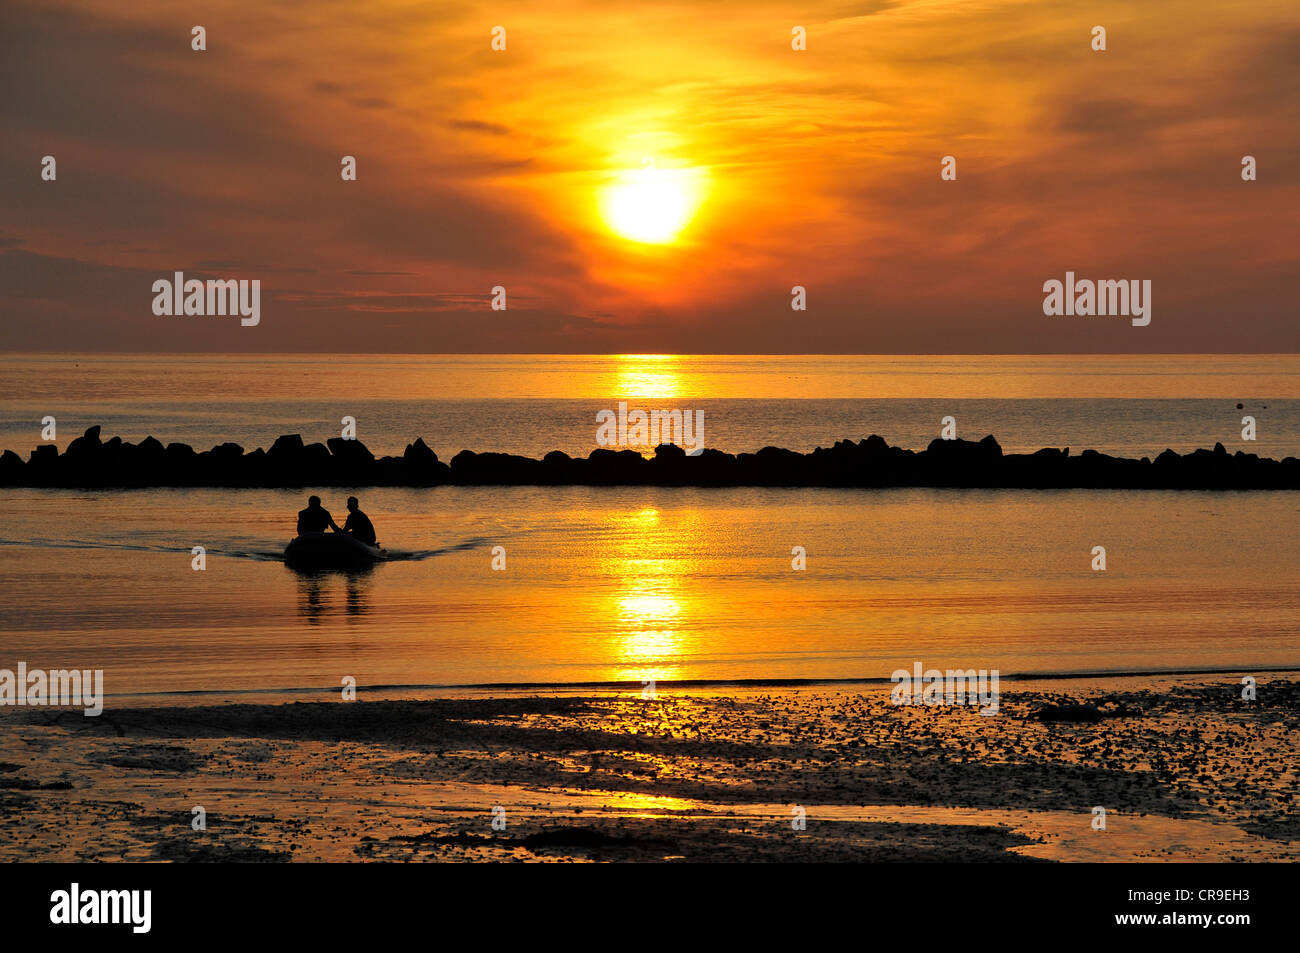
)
(315, 518)
(358, 523)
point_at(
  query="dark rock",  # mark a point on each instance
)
(710, 468)
(612, 467)
(422, 466)
(776, 466)
(350, 461)
(44, 455)
(670, 467)
(560, 469)
(965, 450)
(468, 467)
(316, 456)
(12, 469)
(419, 453)
(180, 464)
(669, 451)
(86, 447)
(1042, 468)
(961, 462)
(866, 463)
(286, 447)
(389, 471)
(352, 451)
(1079, 713)
(151, 448)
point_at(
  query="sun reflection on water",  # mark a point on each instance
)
(653, 376)
(652, 603)
(647, 616)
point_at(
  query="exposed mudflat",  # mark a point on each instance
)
(1185, 769)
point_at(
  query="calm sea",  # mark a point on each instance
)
(633, 584)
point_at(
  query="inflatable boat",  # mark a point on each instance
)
(331, 551)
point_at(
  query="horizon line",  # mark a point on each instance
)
(913, 354)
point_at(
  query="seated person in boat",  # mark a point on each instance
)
(315, 518)
(358, 523)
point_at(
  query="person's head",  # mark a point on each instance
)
(313, 501)
(352, 503)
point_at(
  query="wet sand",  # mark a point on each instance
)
(1187, 771)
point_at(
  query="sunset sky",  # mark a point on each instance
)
(479, 168)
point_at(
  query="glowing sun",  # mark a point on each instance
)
(651, 205)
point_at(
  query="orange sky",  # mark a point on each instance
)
(479, 168)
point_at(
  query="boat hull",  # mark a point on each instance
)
(331, 551)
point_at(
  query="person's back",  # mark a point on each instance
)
(358, 523)
(315, 518)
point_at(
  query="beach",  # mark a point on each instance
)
(1185, 769)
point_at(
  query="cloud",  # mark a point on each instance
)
(477, 169)
(474, 125)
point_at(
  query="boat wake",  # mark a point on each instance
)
(257, 551)
(398, 555)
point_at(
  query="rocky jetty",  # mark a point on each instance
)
(90, 461)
